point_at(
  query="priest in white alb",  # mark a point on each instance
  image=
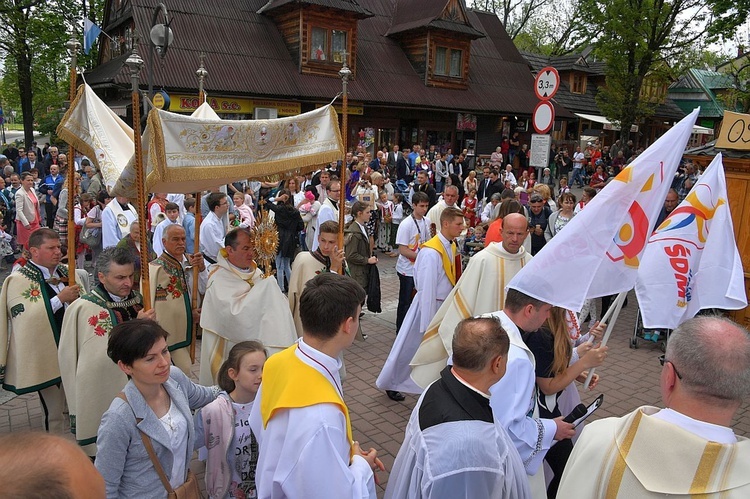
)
(240, 304)
(688, 449)
(481, 290)
(454, 448)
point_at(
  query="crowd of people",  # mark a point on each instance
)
(495, 368)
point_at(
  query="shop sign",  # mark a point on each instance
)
(466, 121)
(233, 105)
(735, 132)
(357, 110)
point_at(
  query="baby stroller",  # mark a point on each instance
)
(650, 336)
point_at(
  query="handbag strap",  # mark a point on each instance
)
(150, 449)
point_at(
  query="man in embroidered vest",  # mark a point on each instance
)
(90, 378)
(435, 274)
(171, 287)
(307, 264)
(240, 304)
(300, 418)
(687, 449)
(453, 447)
(481, 290)
(33, 302)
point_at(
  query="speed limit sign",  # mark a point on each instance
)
(547, 82)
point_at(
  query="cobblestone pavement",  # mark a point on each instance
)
(630, 379)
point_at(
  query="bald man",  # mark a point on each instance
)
(481, 290)
(38, 464)
(689, 446)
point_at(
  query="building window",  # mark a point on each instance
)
(579, 83)
(327, 45)
(448, 62)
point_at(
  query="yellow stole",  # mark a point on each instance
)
(289, 383)
(449, 264)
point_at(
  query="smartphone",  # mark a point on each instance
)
(589, 410)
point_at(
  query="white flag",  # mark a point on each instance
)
(599, 251)
(691, 261)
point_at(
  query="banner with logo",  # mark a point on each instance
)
(601, 247)
(691, 261)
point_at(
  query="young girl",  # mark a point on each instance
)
(386, 218)
(222, 428)
(469, 206)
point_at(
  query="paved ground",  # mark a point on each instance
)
(629, 379)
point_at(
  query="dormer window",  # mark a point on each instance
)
(327, 45)
(448, 61)
(578, 85)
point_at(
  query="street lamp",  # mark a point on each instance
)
(161, 37)
(344, 73)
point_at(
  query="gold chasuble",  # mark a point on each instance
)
(29, 330)
(289, 383)
(643, 456)
(449, 262)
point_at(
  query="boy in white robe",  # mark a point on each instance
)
(687, 449)
(435, 274)
(453, 448)
(300, 418)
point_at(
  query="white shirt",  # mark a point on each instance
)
(176, 427)
(325, 214)
(407, 233)
(304, 452)
(54, 302)
(212, 235)
(709, 431)
(578, 160)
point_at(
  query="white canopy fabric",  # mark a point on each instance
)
(183, 154)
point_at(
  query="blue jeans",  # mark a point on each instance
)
(283, 268)
(577, 174)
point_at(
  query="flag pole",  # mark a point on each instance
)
(135, 63)
(614, 312)
(202, 74)
(73, 47)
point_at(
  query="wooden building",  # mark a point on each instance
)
(429, 72)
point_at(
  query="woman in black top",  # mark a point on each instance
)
(289, 224)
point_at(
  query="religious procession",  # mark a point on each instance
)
(198, 306)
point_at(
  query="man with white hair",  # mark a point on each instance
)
(686, 449)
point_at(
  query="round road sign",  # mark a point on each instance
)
(546, 83)
(543, 117)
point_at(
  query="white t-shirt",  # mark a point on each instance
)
(244, 448)
(408, 230)
(578, 159)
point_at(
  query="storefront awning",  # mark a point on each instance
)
(702, 130)
(608, 125)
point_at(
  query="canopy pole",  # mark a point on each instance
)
(73, 46)
(614, 311)
(345, 73)
(135, 63)
(202, 73)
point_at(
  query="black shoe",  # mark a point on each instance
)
(394, 395)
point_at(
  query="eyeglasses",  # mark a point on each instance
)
(224, 204)
(663, 360)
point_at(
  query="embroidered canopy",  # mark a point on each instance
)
(185, 154)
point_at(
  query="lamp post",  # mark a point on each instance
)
(160, 37)
(134, 64)
(345, 73)
(73, 47)
(202, 74)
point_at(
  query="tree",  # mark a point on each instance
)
(33, 38)
(514, 14)
(556, 29)
(639, 39)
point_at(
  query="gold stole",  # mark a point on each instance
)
(292, 384)
(449, 263)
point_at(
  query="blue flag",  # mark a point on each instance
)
(90, 33)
